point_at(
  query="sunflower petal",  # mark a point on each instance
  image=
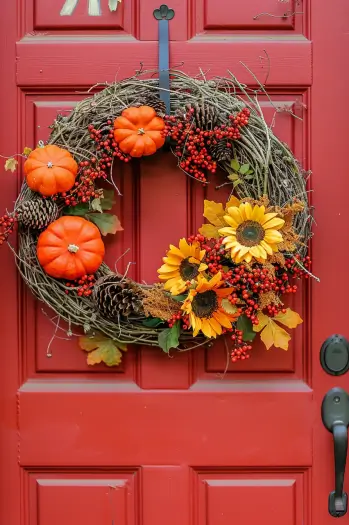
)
(235, 214)
(267, 217)
(226, 231)
(222, 318)
(176, 251)
(215, 326)
(166, 268)
(248, 210)
(272, 237)
(258, 252)
(214, 281)
(275, 223)
(185, 248)
(172, 260)
(267, 247)
(206, 328)
(231, 221)
(257, 213)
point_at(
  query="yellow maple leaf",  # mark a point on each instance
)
(11, 164)
(214, 213)
(27, 151)
(274, 335)
(102, 349)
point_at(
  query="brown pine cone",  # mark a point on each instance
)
(37, 214)
(116, 296)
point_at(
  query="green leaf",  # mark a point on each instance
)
(244, 169)
(249, 172)
(245, 325)
(152, 322)
(233, 176)
(106, 222)
(179, 298)
(234, 164)
(237, 182)
(96, 205)
(108, 199)
(79, 209)
(169, 338)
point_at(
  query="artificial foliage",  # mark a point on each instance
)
(229, 279)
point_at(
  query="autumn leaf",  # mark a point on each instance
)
(274, 335)
(214, 213)
(102, 349)
(106, 222)
(107, 199)
(11, 164)
(27, 151)
(228, 307)
(96, 205)
(209, 231)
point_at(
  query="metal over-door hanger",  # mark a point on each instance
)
(163, 15)
(94, 7)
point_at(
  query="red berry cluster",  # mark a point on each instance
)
(83, 286)
(180, 316)
(192, 145)
(240, 348)
(106, 146)
(215, 253)
(84, 188)
(7, 225)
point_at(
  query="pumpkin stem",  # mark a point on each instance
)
(49, 165)
(72, 248)
(141, 131)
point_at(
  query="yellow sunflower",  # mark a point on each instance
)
(182, 265)
(204, 306)
(252, 232)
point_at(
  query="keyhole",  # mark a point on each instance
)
(336, 399)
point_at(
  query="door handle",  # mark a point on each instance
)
(335, 417)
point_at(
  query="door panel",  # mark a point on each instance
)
(185, 440)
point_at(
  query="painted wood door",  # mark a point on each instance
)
(171, 440)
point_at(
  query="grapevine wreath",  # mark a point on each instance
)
(229, 279)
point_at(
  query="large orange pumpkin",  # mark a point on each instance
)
(138, 131)
(70, 247)
(50, 169)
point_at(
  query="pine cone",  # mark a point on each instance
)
(204, 116)
(37, 214)
(220, 151)
(153, 101)
(116, 297)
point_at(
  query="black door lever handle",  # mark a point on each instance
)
(335, 417)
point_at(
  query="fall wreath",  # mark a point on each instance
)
(230, 278)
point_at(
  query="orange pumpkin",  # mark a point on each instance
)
(50, 169)
(70, 247)
(139, 131)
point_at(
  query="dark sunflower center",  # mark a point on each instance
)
(250, 233)
(205, 304)
(188, 270)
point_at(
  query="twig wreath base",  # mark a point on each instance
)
(242, 261)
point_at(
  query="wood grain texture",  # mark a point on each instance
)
(42, 60)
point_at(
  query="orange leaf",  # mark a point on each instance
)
(102, 349)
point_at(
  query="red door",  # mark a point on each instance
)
(161, 440)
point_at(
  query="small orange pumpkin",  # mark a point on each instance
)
(138, 131)
(70, 247)
(50, 169)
